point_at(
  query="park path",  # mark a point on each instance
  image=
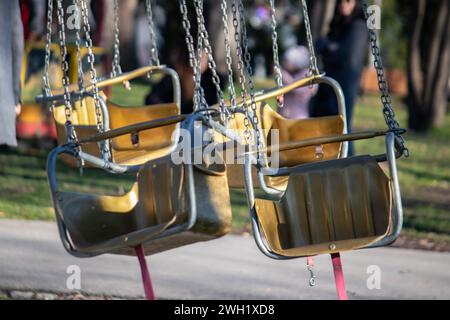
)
(32, 258)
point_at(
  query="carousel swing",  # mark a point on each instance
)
(93, 112)
(161, 211)
(289, 129)
(329, 206)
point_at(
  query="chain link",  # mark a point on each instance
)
(313, 69)
(204, 39)
(251, 84)
(116, 69)
(104, 148)
(386, 100)
(154, 57)
(91, 61)
(194, 59)
(242, 76)
(77, 4)
(70, 132)
(48, 44)
(276, 59)
(229, 59)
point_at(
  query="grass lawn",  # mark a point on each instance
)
(424, 177)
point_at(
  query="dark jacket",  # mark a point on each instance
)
(344, 54)
(163, 93)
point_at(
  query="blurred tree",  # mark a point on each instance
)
(428, 62)
(393, 36)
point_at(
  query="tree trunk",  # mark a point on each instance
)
(429, 64)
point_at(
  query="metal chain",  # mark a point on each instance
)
(194, 60)
(199, 92)
(70, 132)
(116, 69)
(77, 4)
(242, 77)
(388, 111)
(313, 69)
(229, 59)
(251, 84)
(154, 57)
(276, 58)
(48, 43)
(204, 38)
(91, 61)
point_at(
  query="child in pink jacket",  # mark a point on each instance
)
(295, 66)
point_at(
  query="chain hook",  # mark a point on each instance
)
(312, 277)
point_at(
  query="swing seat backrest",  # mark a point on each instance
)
(329, 207)
(84, 120)
(128, 150)
(289, 130)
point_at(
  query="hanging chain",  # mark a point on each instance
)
(251, 84)
(204, 39)
(194, 59)
(70, 131)
(104, 148)
(48, 43)
(388, 111)
(276, 59)
(77, 5)
(242, 77)
(313, 69)
(229, 59)
(116, 69)
(154, 57)
(199, 92)
(91, 61)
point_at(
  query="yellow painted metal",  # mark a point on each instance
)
(33, 113)
(157, 201)
(289, 131)
(329, 207)
(152, 143)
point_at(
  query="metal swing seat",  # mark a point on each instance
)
(138, 147)
(330, 207)
(323, 205)
(291, 130)
(90, 105)
(329, 204)
(161, 211)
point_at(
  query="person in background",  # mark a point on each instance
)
(11, 51)
(344, 53)
(163, 91)
(295, 65)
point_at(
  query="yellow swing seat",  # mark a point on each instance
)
(329, 207)
(148, 145)
(290, 130)
(164, 198)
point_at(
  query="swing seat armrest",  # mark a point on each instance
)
(75, 94)
(133, 129)
(319, 141)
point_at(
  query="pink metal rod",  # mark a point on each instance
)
(146, 280)
(339, 276)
